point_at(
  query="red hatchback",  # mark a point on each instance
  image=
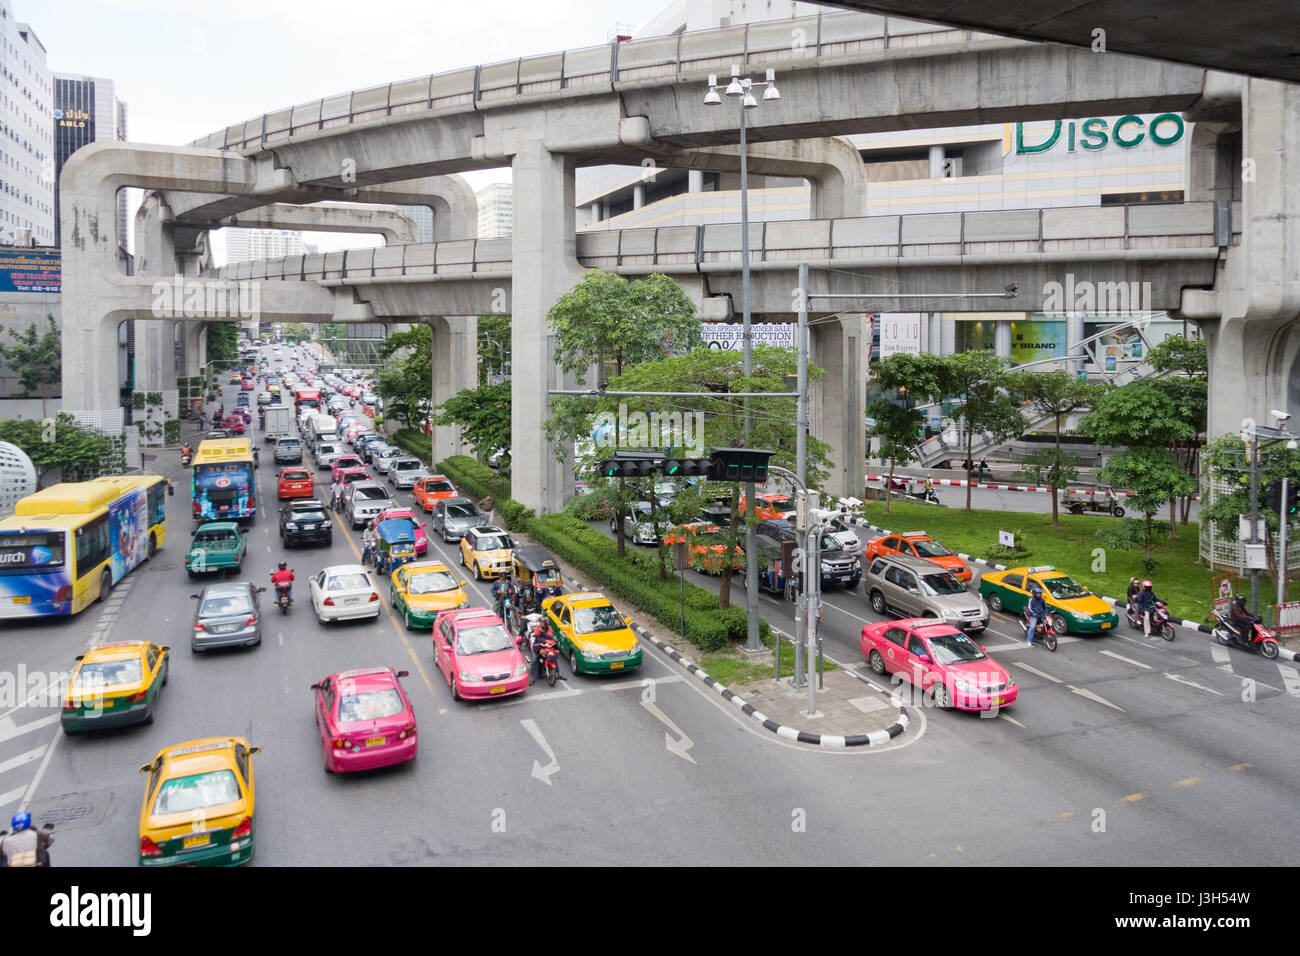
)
(939, 658)
(365, 720)
(295, 483)
(477, 655)
(233, 423)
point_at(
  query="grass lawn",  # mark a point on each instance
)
(733, 667)
(1073, 548)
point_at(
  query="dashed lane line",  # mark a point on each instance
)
(1126, 660)
(1035, 670)
(1191, 683)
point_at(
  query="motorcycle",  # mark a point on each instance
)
(548, 653)
(283, 599)
(30, 859)
(528, 634)
(1160, 619)
(1045, 632)
(186, 458)
(1262, 639)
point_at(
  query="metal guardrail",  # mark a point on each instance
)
(595, 69)
(1182, 231)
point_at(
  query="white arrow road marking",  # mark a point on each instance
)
(1035, 670)
(1221, 657)
(542, 773)
(11, 796)
(1004, 716)
(1290, 678)
(1083, 692)
(678, 747)
(1189, 683)
(1126, 660)
(21, 759)
(9, 728)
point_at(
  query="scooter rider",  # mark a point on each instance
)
(1037, 612)
(501, 590)
(1146, 606)
(1134, 589)
(25, 846)
(1242, 621)
(283, 576)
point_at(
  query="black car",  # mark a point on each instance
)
(837, 564)
(305, 522)
(288, 451)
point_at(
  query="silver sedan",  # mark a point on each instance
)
(227, 615)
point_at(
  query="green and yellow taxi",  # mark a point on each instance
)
(592, 634)
(1073, 607)
(420, 590)
(198, 804)
(115, 685)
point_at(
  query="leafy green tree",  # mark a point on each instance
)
(405, 381)
(80, 453)
(332, 336)
(36, 357)
(605, 319)
(493, 345)
(913, 378)
(1154, 478)
(295, 332)
(1056, 393)
(978, 383)
(482, 414)
(1186, 367)
(896, 427)
(1227, 461)
(223, 341)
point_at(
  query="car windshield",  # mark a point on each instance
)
(493, 542)
(943, 583)
(593, 620)
(1064, 589)
(347, 581)
(222, 604)
(371, 494)
(831, 544)
(931, 549)
(370, 705)
(103, 673)
(954, 649)
(431, 582)
(483, 639)
(462, 511)
(183, 794)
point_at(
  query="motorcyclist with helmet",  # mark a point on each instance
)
(1134, 589)
(1241, 620)
(282, 579)
(1037, 611)
(25, 846)
(1146, 606)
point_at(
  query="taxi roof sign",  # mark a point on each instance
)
(1042, 567)
(914, 534)
(585, 595)
(199, 748)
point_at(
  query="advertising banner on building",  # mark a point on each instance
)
(900, 332)
(29, 270)
(1036, 339)
(1123, 343)
(729, 335)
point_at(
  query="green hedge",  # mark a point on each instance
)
(476, 478)
(414, 442)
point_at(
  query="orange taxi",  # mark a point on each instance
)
(769, 506)
(918, 544)
(430, 489)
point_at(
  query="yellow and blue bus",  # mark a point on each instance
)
(67, 545)
(223, 486)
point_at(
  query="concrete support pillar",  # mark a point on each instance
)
(455, 368)
(545, 267)
(638, 196)
(1002, 339)
(597, 213)
(1073, 336)
(837, 404)
(155, 363)
(695, 181)
(936, 162)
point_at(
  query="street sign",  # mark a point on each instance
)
(1007, 538)
(1224, 586)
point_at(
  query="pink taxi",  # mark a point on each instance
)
(477, 655)
(940, 659)
(365, 720)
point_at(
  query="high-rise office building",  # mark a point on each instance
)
(496, 211)
(246, 245)
(86, 110)
(27, 171)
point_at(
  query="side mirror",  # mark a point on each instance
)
(147, 768)
(462, 583)
(195, 596)
(166, 647)
(923, 658)
(317, 687)
(261, 590)
(447, 645)
(80, 657)
(254, 751)
(403, 673)
(171, 489)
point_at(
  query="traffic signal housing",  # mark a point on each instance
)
(739, 464)
(1285, 508)
(687, 467)
(631, 464)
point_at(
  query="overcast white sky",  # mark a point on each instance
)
(188, 68)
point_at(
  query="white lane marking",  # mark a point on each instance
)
(1127, 660)
(1004, 716)
(23, 758)
(11, 796)
(268, 549)
(543, 774)
(1035, 670)
(1290, 678)
(678, 746)
(1189, 683)
(280, 638)
(1221, 657)
(10, 729)
(1084, 692)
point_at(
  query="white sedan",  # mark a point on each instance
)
(344, 592)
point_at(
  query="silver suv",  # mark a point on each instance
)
(405, 472)
(910, 587)
(362, 500)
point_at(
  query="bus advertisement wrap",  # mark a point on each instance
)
(128, 533)
(223, 491)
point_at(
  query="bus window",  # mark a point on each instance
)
(158, 504)
(92, 545)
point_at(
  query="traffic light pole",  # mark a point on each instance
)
(1283, 564)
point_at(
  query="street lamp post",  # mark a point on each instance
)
(742, 90)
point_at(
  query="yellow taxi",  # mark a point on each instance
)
(488, 551)
(419, 591)
(115, 685)
(593, 635)
(198, 804)
(1072, 606)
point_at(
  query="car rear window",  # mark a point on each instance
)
(347, 581)
(371, 494)
(226, 604)
(370, 705)
(441, 486)
(313, 515)
(104, 673)
(183, 794)
(295, 476)
(461, 511)
(406, 464)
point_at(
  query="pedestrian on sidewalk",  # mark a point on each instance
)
(984, 468)
(489, 508)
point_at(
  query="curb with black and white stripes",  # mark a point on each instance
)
(828, 741)
(1283, 652)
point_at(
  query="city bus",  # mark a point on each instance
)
(67, 545)
(223, 486)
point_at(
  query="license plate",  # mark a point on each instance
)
(498, 689)
(23, 599)
(351, 600)
(375, 741)
(193, 841)
(615, 665)
(1001, 701)
(1105, 625)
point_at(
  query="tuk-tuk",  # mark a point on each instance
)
(774, 570)
(1097, 498)
(394, 544)
(537, 577)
